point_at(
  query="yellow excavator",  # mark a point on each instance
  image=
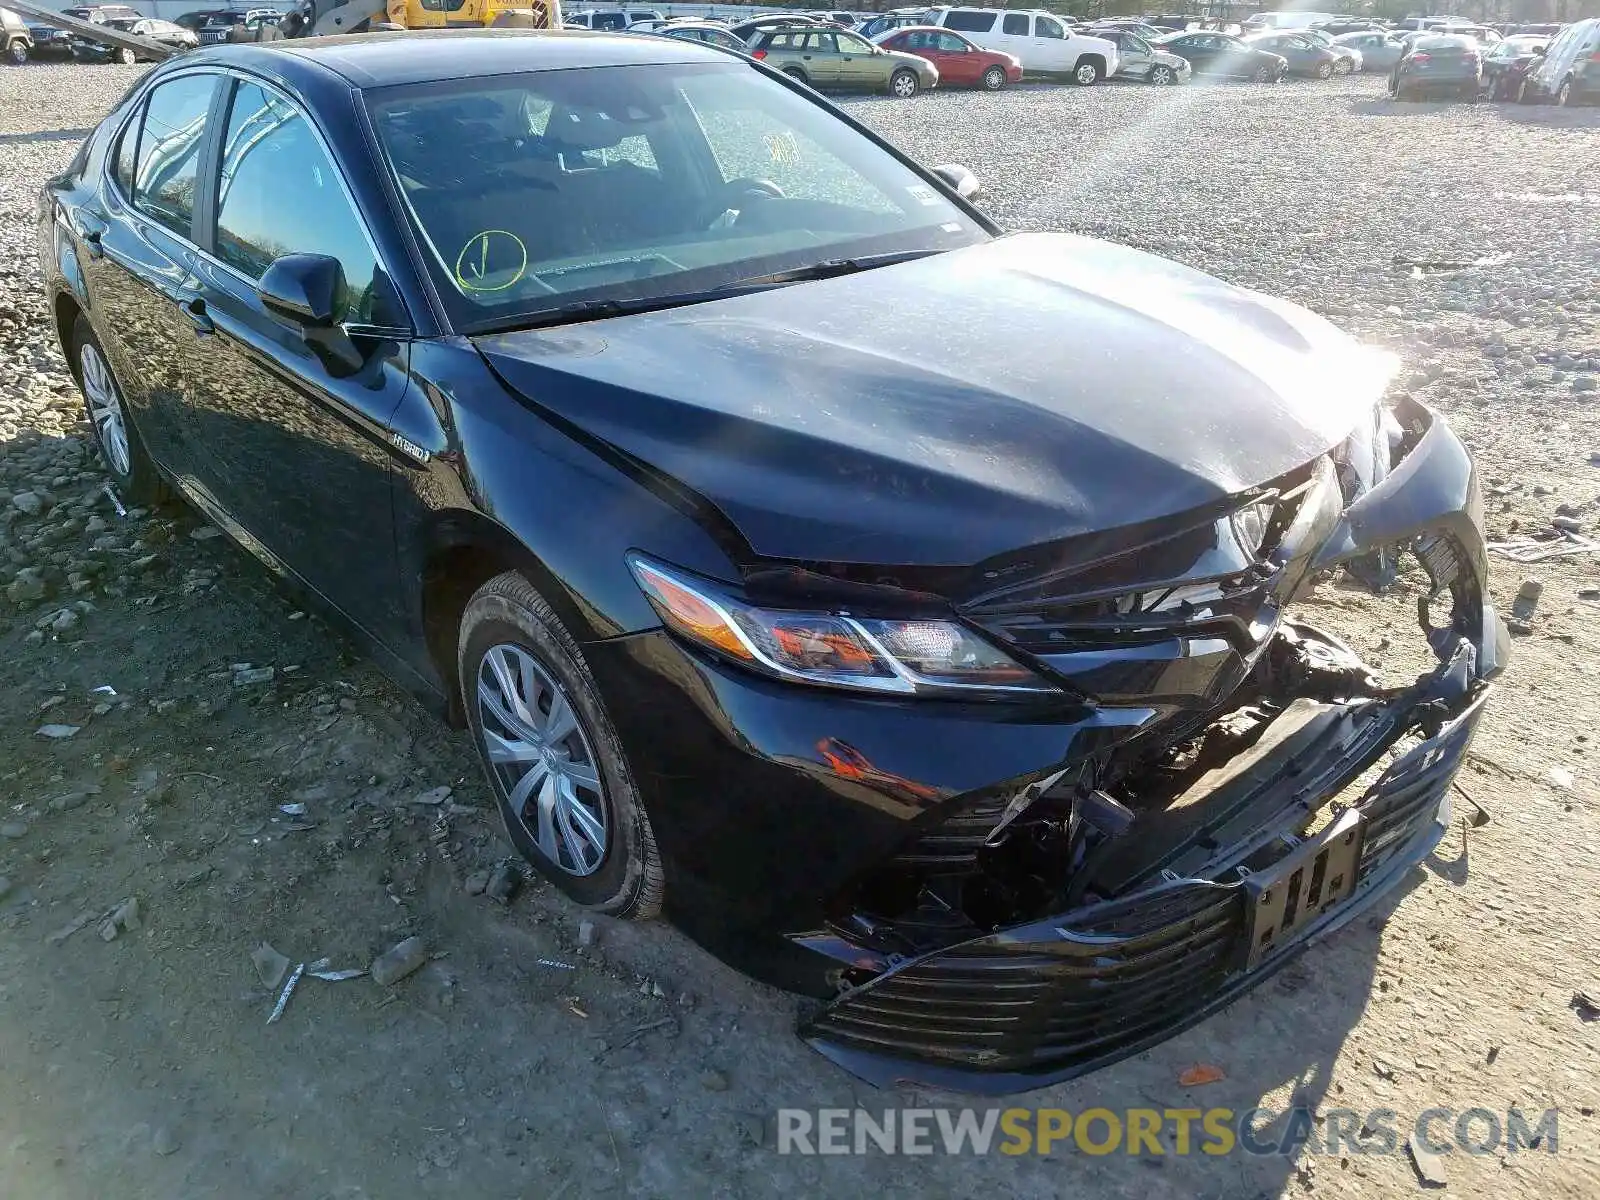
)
(324, 17)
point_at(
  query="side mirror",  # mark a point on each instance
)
(964, 181)
(302, 289)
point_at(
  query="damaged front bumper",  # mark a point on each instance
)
(1143, 908)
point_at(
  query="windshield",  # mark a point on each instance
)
(535, 192)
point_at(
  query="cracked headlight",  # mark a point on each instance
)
(921, 657)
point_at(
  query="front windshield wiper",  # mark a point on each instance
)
(599, 310)
(831, 267)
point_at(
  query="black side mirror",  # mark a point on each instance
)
(964, 181)
(302, 291)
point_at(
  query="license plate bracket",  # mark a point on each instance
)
(1315, 877)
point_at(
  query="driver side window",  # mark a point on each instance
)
(1046, 28)
(279, 193)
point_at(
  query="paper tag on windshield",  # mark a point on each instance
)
(923, 194)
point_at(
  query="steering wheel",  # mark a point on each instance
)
(738, 192)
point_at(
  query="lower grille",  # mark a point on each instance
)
(1063, 995)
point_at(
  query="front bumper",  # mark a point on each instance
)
(777, 863)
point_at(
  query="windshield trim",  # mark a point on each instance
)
(447, 321)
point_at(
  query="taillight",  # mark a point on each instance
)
(759, 54)
(1416, 58)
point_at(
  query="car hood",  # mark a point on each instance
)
(943, 410)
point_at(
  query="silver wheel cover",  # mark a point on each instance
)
(105, 408)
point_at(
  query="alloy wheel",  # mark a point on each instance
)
(904, 85)
(1565, 94)
(1161, 76)
(994, 79)
(105, 409)
(1086, 74)
(543, 759)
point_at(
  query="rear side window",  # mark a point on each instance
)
(127, 155)
(969, 21)
(279, 193)
(1016, 24)
(170, 141)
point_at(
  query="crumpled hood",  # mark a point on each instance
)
(947, 409)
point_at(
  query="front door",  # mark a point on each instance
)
(1136, 54)
(859, 66)
(958, 60)
(295, 449)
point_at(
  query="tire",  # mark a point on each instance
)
(1262, 75)
(1086, 74)
(994, 79)
(16, 52)
(1162, 76)
(121, 449)
(1324, 70)
(1525, 94)
(126, 57)
(797, 75)
(594, 841)
(903, 84)
(1563, 96)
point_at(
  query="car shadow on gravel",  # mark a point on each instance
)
(1540, 115)
(48, 135)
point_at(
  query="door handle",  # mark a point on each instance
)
(195, 310)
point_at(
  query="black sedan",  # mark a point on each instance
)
(166, 33)
(943, 670)
(1438, 66)
(1219, 54)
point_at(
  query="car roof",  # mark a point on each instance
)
(1442, 43)
(372, 60)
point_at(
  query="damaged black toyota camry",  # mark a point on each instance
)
(903, 609)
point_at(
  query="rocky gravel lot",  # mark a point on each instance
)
(161, 704)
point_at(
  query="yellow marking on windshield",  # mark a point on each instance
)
(490, 253)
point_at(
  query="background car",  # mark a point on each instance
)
(874, 27)
(1379, 51)
(705, 32)
(1349, 60)
(1140, 59)
(1220, 54)
(1041, 41)
(1506, 66)
(837, 60)
(237, 26)
(16, 41)
(1569, 72)
(1303, 56)
(168, 33)
(1438, 65)
(961, 63)
(746, 31)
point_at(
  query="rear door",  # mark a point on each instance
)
(294, 450)
(141, 280)
(819, 56)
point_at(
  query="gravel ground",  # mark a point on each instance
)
(142, 1065)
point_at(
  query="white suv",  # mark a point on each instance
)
(1043, 42)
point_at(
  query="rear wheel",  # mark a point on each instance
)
(797, 74)
(126, 57)
(1163, 76)
(1085, 74)
(552, 756)
(903, 83)
(118, 441)
(994, 79)
(16, 52)
(1564, 93)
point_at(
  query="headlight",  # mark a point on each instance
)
(908, 658)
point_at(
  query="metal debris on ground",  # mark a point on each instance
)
(576, 1010)
(432, 796)
(124, 918)
(72, 927)
(105, 689)
(288, 990)
(1531, 549)
(1582, 1004)
(57, 732)
(269, 964)
(116, 501)
(296, 809)
(323, 969)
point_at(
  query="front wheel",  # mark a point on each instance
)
(1324, 70)
(904, 84)
(994, 79)
(1085, 74)
(126, 57)
(552, 756)
(1163, 76)
(17, 53)
(121, 450)
(1564, 93)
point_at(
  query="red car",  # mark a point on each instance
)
(961, 63)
